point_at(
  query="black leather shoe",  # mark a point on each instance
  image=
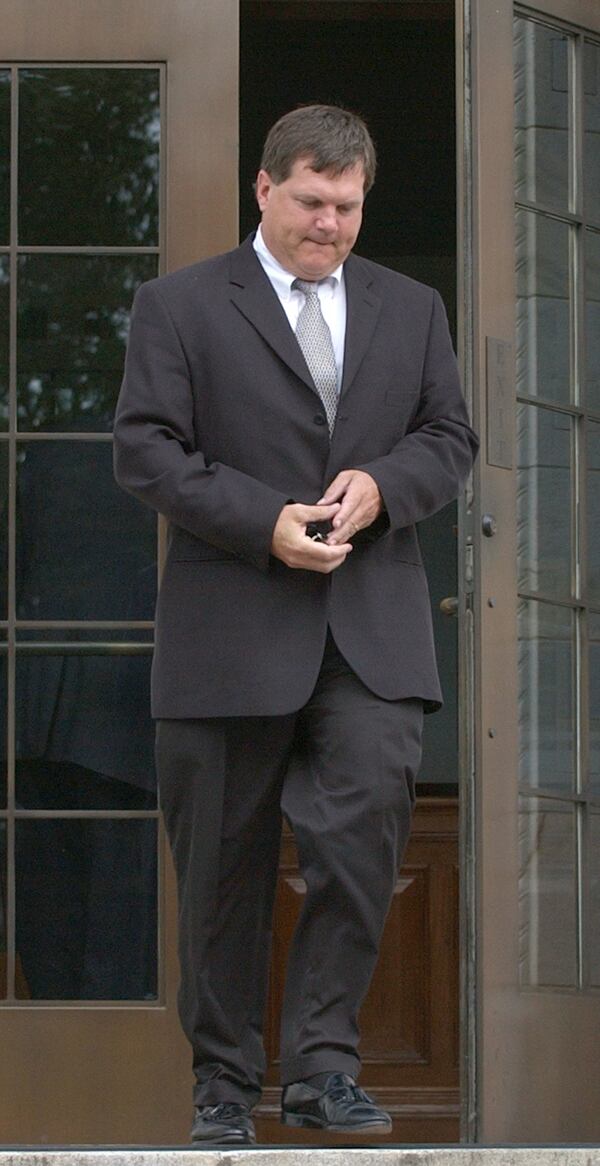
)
(339, 1105)
(226, 1124)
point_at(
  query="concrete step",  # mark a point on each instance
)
(274, 1156)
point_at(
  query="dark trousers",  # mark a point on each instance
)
(342, 770)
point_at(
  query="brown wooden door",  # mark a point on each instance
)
(409, 1021)
(531, 260)
(119, 124)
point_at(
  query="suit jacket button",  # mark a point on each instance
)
(320, 419)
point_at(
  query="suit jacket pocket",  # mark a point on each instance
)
(186, 548)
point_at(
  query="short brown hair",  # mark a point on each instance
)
(331, 138)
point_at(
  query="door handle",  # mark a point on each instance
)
(449, 605)
(489, 525)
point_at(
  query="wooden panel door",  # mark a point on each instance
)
(119, 122)
(409, 1021)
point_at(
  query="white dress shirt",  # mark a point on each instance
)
(332, 297)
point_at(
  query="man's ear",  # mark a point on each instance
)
(262, 187)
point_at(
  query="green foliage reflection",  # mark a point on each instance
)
(72, 329)
(4, 155)
(88, 157)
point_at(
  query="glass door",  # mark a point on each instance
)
(97, 126)
(531, 327)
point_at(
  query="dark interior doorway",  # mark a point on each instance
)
(393, 63)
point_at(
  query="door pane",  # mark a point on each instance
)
(4, 339)
(3, 723)
(591, 147)
(592, 319)
(85, 550)
(547, 893)
(88, 156)
(72, 331)
(593, 506)
(86, 918)
(594, 740)
(546, 697)
(3, 890)
(4, 156)
(543, 308)
(541, 115)
(3, 529)
(84, 737)
(594, 929)
(544, 509)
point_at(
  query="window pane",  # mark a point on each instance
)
(72, 330)
(544, 534)
(84, 736)
(3, 529)
(546, 647)
(543, 308)
(4, 338)
(85, 549)
(541, 115)
(594, 743)
(547, 893)
(591, 150)
(592, 319)
(88, 156)
(594, 929)
(3, 890)
(4, 156)
(593, 506)
(86, 917)
(3, 722)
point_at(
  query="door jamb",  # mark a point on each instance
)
(468, 881)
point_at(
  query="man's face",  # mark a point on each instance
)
(311, 220)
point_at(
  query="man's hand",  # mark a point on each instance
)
(360, 503)
(292, 545)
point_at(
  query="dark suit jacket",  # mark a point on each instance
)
(219, 426)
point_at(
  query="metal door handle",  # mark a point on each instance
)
(489, 525)
(449, 605)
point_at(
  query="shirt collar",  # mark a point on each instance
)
(281, 279)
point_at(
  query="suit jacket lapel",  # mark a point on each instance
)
(362, 311)
(254, 297)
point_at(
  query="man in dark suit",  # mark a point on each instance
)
(293, 410)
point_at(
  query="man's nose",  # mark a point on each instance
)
(327, 220)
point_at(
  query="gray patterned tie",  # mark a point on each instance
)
(314, 339)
